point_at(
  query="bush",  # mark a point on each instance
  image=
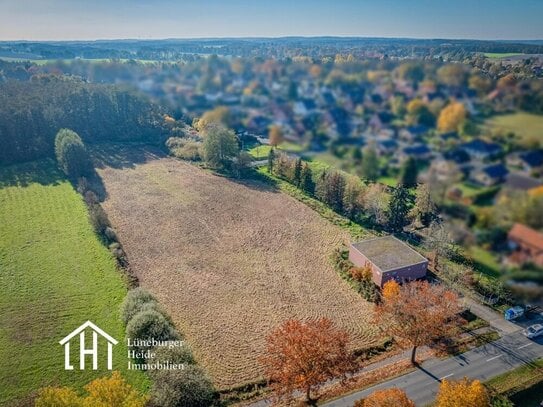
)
(150, 324)
(189, 387)
(178, 354)
(72, 155)
(136, 301)
(184, 148)
(98, 219)
(58, 397)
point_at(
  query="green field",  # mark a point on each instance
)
(54, 275)
(523, 385)
(527, 127)
(496, 55)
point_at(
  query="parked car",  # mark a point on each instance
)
(513, 313)
(533, 331)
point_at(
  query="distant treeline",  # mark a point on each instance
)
(33, 111)
(260, 47)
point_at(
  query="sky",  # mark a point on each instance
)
(145, 19)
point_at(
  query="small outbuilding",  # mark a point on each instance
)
(389, 258)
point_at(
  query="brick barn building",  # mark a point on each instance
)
(389, 258)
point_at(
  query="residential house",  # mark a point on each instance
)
(389, 259)
(387, 146)
(481, 150)
(531, 162)
(526, 245)
(490, 175)
(413, 133)
(418, 152)
(515, 181)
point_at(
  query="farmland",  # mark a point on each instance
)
(229, 260)
(54, 275)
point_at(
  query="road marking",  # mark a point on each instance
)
(495, 357)
(524, 346)
(449, 375)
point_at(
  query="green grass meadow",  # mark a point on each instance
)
(54, 275)
(497, 55)
(528, 127)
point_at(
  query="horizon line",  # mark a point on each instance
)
(272, 37)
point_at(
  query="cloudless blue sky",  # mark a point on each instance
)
(93, 19)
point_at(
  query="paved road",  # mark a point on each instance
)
(483, 363)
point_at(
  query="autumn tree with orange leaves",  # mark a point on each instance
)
(417, 312)
(303, 356)
(462, 393)
(392, 397)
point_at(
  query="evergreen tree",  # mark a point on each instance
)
(370, 164)
(297, 175)
(271, 159)
(398, 209)
(307, 183)
(409, 173)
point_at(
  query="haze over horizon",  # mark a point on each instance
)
(169, 19)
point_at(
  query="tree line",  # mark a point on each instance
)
(32, 112)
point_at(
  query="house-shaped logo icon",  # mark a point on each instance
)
(91, 351)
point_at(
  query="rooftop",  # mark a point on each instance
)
(496, 170)
(521, 182)
(526, 235)
(388, 253)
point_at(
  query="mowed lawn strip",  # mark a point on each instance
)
(54, 275)
(230, 261)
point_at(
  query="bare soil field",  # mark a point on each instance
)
(228, 260)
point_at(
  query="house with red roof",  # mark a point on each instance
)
(526, 245)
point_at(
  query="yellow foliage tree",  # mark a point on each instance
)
(391, 290)
(110, 391)
(275, 135)
(451, 117)
(218, 116)
(393, 397)
(58, 397)
(462, 393)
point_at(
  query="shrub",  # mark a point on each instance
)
(98, 218)
(134, 303)
(58, 397)
(71, 155)
(150, 324)
(189, 387)
(178, 354)
(110, 233)
(184, 148)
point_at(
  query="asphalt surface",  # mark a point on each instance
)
(485, 362)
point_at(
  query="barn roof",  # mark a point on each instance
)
(388, 253)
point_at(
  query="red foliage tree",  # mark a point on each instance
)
(302, 356)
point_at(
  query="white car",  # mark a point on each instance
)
(533, 331)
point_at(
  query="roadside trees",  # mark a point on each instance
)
(462, 393)
(303, 356)
(393, 397)
(417, 312)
